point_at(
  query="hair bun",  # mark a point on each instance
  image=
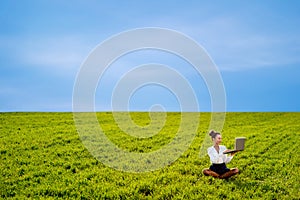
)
(213, 133)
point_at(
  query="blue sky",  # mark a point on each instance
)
(254, 44)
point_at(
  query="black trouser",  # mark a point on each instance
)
(219, 168)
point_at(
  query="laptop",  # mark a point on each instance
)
(239, 145)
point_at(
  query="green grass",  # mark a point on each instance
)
(42, 157)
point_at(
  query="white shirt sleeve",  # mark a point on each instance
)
(218, 158)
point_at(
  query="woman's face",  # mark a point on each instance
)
(218, 139)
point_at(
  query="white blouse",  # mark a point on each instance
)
(218, 158)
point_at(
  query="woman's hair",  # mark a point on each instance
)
(213, 134)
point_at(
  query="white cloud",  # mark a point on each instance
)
(51, 53)
(234, 45)
(60, 53)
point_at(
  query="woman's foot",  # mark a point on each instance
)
(230, 173)
(208, 172)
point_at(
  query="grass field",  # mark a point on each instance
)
(42, 157)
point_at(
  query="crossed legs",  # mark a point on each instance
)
(233, 171)
(208, 172)
(230, 173)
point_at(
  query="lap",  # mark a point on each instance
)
(219, 168)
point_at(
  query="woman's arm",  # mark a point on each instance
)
(219, 157)
(226, 157)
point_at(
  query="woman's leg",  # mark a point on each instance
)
(208, 172)
(230, 173)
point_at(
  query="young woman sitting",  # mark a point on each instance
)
(218, 168)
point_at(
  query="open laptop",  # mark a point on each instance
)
(239, 145)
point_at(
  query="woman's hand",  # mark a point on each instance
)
(226, 151)
(232, 154)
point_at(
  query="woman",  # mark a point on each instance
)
(218, 168)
